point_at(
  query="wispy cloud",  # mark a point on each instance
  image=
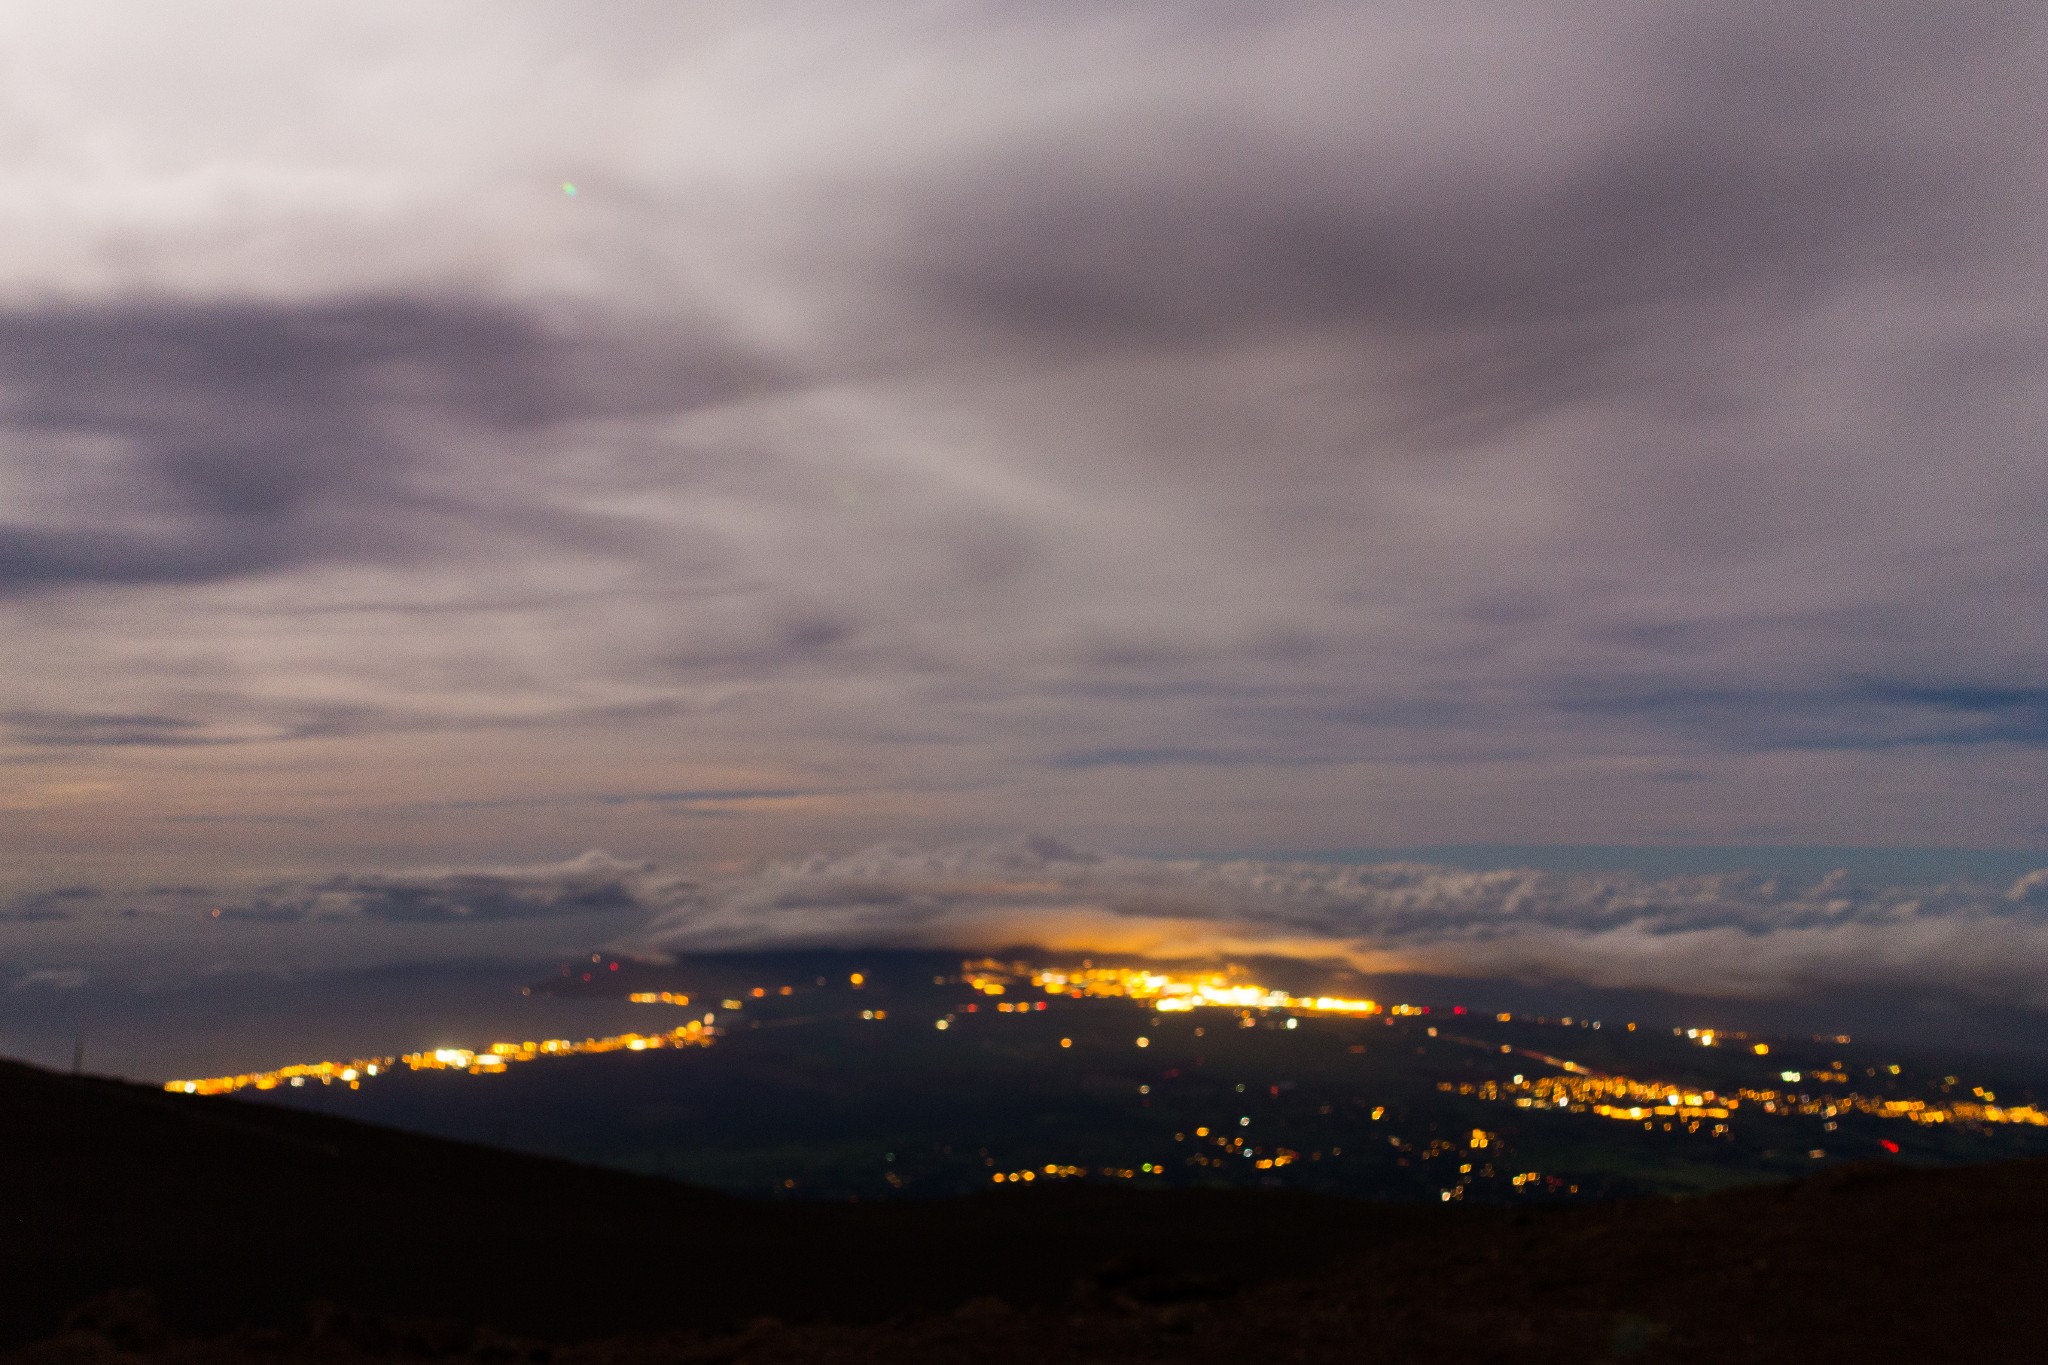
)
(50, 979)
(594, 883)
(57, 903)
(1223, 417)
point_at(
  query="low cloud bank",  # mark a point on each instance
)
(595, 883)
(1740, 934)
(1733, 934)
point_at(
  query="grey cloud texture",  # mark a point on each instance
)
(594, 883)
(1735, 934)
(178, 442)
(1240, 425)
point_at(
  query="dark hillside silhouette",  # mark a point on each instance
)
(178, 1229)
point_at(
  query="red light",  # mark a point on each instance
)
(1889, 1145)
(586, 976)
(1039, 1006)
(615, 966)
(1457, 1009)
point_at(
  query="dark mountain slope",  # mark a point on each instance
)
(232, 1213)
(1859, 1265)
(235, 1216)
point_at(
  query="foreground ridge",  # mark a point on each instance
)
(219, 1227)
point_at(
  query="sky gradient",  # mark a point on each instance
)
(1166, 428)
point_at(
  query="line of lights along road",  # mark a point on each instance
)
(1569, 1086)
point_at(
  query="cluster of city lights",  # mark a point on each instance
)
(1830, 1105)
(1050, 1171)
(1554, 1083)
(1055, 1171)
(1614, 1097)
(1164, 991)
(1576, 1090)
(1630, 1100)
(490, 1061)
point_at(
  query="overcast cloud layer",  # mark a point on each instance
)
(1185, 427)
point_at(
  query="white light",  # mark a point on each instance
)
(941, 1026)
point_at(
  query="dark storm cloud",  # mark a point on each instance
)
(186, 442)
(1761, 168)
(706, 800)
(93, 729)
(57, 903)
(1140, 758)
(1236, 241)
(228, 720)
(1855, 715)
(706, 797)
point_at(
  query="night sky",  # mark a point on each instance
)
(483, 479)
